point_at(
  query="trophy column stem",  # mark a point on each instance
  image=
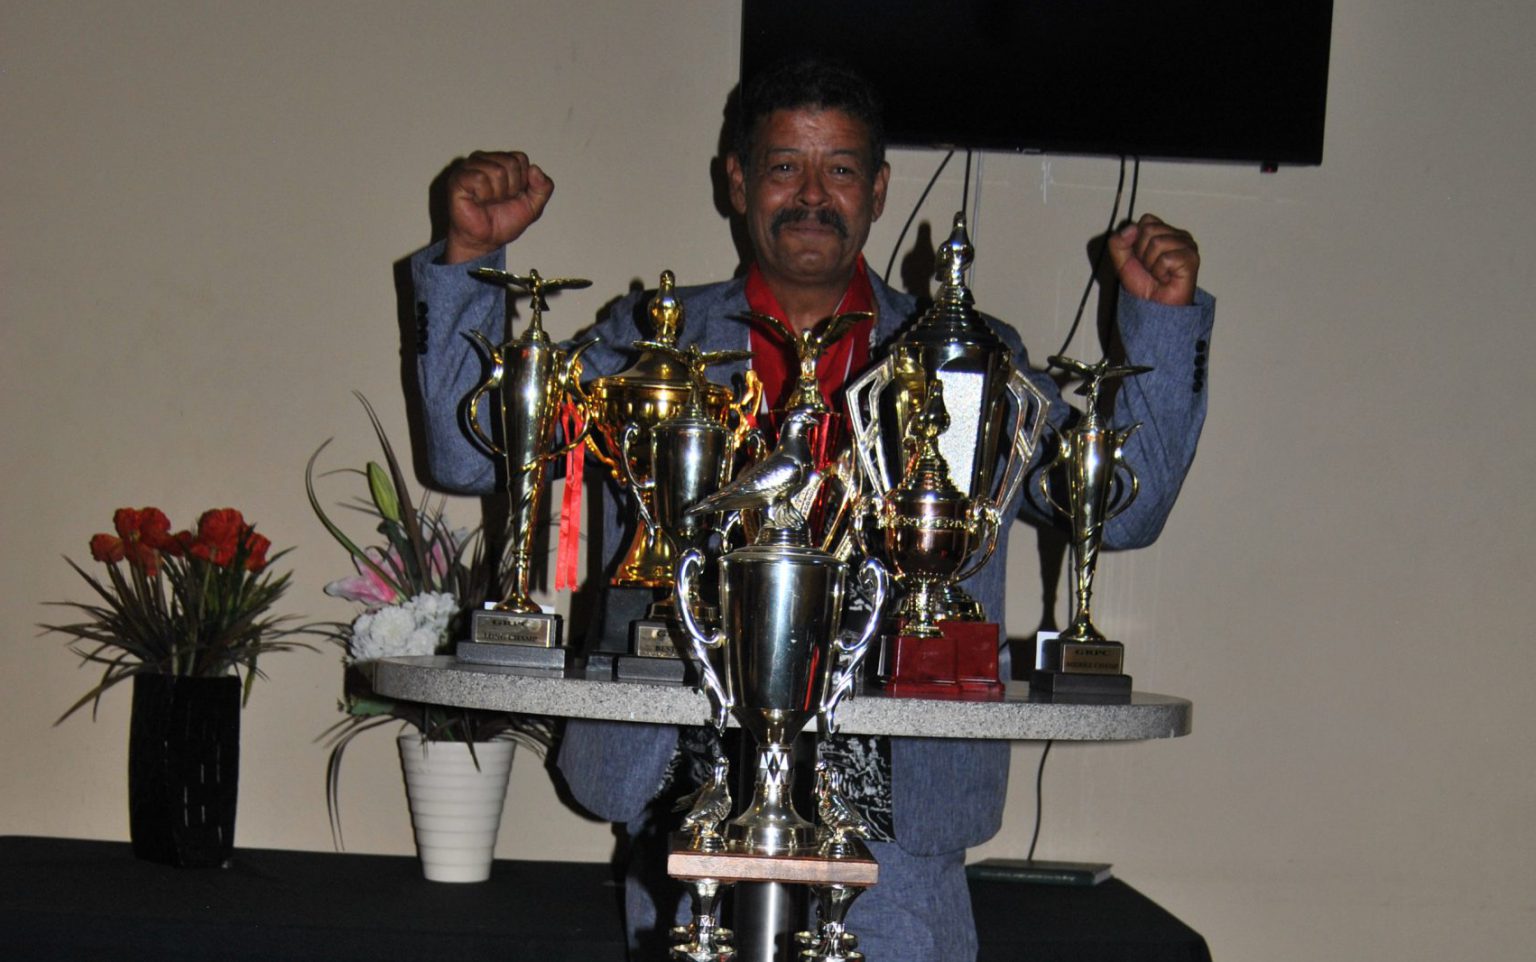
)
(1085, 556)
(770, 825)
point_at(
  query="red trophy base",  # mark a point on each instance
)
(960, 664)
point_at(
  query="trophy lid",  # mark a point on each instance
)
(953, 319)
(661, 365)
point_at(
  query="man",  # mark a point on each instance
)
(807, 173)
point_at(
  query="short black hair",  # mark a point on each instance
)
(809, 82)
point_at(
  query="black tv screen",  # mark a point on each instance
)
(1187, 79)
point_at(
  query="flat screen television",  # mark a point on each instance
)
(1181, 79)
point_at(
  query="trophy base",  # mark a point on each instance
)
(655, 658)
(599, 666)
(960, 664)
(654, 671)
(533, 657)
(858, 870)
(1081, 668)
(489, 626)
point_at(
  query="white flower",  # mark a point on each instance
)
(416, 626)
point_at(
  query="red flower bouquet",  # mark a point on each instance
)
(183, 603)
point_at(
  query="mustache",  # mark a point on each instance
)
(825, 216)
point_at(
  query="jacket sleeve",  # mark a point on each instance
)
(450, 304)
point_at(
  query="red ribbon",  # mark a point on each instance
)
(570, 503)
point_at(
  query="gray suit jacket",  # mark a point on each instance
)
(947, 794)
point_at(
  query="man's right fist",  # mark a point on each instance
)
(492, 198)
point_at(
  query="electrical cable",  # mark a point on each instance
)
(1039, 797)
(913, 216)
(1098, 257)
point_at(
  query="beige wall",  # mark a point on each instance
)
(201, 207)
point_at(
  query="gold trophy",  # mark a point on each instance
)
(662, 407)
(534, 378)
(777, 660)
(996, 416)
(1099, 485)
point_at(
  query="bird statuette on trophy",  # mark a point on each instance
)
(1098, 485)
(533, 378)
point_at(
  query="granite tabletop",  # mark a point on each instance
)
(1021, 714)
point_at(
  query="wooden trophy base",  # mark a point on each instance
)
(858, 871)
(960, 664)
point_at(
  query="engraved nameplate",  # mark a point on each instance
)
(652, 640)
(515, 628)
(1085, 659)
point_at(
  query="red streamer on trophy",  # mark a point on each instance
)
(572, 423)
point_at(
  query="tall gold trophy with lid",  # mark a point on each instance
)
(534, 378)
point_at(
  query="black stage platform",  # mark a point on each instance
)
(68, 899)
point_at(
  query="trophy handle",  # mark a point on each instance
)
(875, 582)
(632, 431)
(699, 643)
(866, 506)
(744, 409)
(863, 395)
(571, 379)
(1124, 495)
(1043, 479)
(1026, 436)
(498, 368)
(985, 517)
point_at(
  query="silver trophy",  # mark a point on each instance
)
(996, 415)
(783, 658)
(690, 456)
(535, 378)
(1099, 486)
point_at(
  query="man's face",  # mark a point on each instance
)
(809, 194)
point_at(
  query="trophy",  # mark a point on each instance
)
(1099, 485)
(623, 411)
(933, 536)
(534, 378)
(777, 660)
(691, 455)
(826, 503)
(995, 418)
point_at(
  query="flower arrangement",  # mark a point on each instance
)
(414, 589)
(188, 603)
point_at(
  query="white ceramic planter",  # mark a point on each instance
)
(455, 808)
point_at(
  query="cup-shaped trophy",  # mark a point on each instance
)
(533, 378)
(690, 455)
(659, 385)
(996, 416)
(933, 535)
(1098, 485)
(784, 657)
